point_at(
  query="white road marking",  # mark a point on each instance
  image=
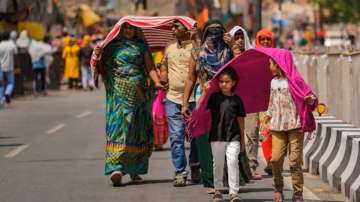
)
(16, 151)
(55, 128)
(83, 114)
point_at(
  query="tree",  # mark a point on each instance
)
(340, 11)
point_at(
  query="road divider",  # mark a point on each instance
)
(333, 152)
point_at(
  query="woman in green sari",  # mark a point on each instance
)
(127, 65)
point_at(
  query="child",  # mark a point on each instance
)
(285, 128)
(227, 133)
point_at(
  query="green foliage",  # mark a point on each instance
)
(341, 10)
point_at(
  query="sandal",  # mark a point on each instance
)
(180, 181)
(136, 179)
(217, 196)
(210, 190)
(256, 176)
(235, 198)
(116, 178)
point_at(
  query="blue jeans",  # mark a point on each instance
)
(39, 78)
(177, 138)
(8, 82)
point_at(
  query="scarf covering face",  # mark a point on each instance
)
(214, 52)
(245, 34)
(252, 68)
(264, 33)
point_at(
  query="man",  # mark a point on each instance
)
(7, 53)
(173, 72)
(85, 56)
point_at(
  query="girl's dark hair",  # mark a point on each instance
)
(229, 71)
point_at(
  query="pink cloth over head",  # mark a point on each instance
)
(252, 68)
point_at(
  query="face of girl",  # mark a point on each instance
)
(226, 84)
(274, 68)
(239, 41)
(265, 41)
(129, 31)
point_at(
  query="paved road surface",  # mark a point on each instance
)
(52, 149)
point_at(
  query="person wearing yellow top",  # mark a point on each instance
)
(71, 57)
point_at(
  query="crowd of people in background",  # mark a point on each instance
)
(32, 67)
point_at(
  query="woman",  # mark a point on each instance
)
(125, 67)
(71, 57)
(206, 61)
(239, 40)
(264, 39)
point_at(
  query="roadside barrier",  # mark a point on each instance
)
(333, 152)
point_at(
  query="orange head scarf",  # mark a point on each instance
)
(264, 33)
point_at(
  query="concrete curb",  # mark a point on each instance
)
(310, 145)
(337, 167)
(352, 170)
(333, 152)
(355, 190)
(324, 142)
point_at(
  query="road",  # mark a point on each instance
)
(52, 150)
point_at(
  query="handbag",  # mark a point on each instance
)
(159, 119)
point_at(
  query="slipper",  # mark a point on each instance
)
(210, 190)
(256, 176)
(136, 179)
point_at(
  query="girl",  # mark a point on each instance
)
(287, 132)
(227, 133)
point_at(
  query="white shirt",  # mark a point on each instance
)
(282, 109)
(8, 50)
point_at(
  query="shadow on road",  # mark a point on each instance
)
(286, 200)
(7, 137)
(160, 181)
(10, 145)
(62, 160)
